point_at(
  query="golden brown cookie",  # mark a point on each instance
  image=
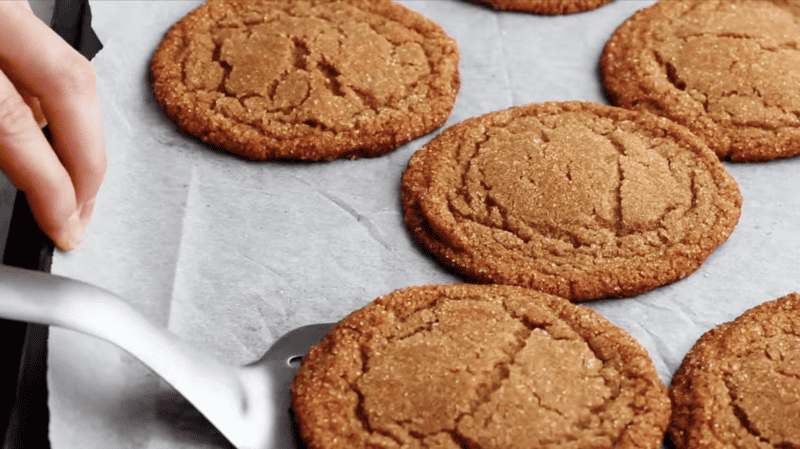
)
(545, 7)
(729, 70)
(313, 80)
(478, 366)
(580, 200)
(739, 386)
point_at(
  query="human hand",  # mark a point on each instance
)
(43, 80)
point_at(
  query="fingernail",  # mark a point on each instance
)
(74, 235)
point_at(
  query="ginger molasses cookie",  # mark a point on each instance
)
(545, 7)
(729, 70)
(478, 366)
(580, 200)
(313, 80)
(739, 386)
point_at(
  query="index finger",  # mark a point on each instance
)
(42, 63)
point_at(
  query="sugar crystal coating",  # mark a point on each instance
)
(728, 70)
(739, 385)
(478, 366)
(580, 200)
(308, 80)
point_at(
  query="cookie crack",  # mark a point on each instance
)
(620, 180)
(369, 100)
(672, 76)
(491, 205)
(494, 380)
(500, 373)
(741, 415)
(361, 413)
(425, 327)
(506, 367)
(331, 76)
(359, 409)
(300, 61)
(301, 54)
(527, 232)
(216, 56)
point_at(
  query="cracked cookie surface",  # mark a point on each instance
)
(739, 386)
(729, 70)
(478, 366)
(580, 200)
(312, 80)
(545, 7)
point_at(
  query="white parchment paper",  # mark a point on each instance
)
(231, 254)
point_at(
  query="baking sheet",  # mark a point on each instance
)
(231, 254)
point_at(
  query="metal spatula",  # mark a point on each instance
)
(249, 404)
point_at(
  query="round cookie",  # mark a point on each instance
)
(580, 200)
(545, 7)
(729, 70)
(312, 80)
(478, 366)
(739, 386)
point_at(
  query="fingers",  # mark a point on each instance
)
(32, 101)
(36, 108)
(46, 80)
(30, 163)
(73, 115)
